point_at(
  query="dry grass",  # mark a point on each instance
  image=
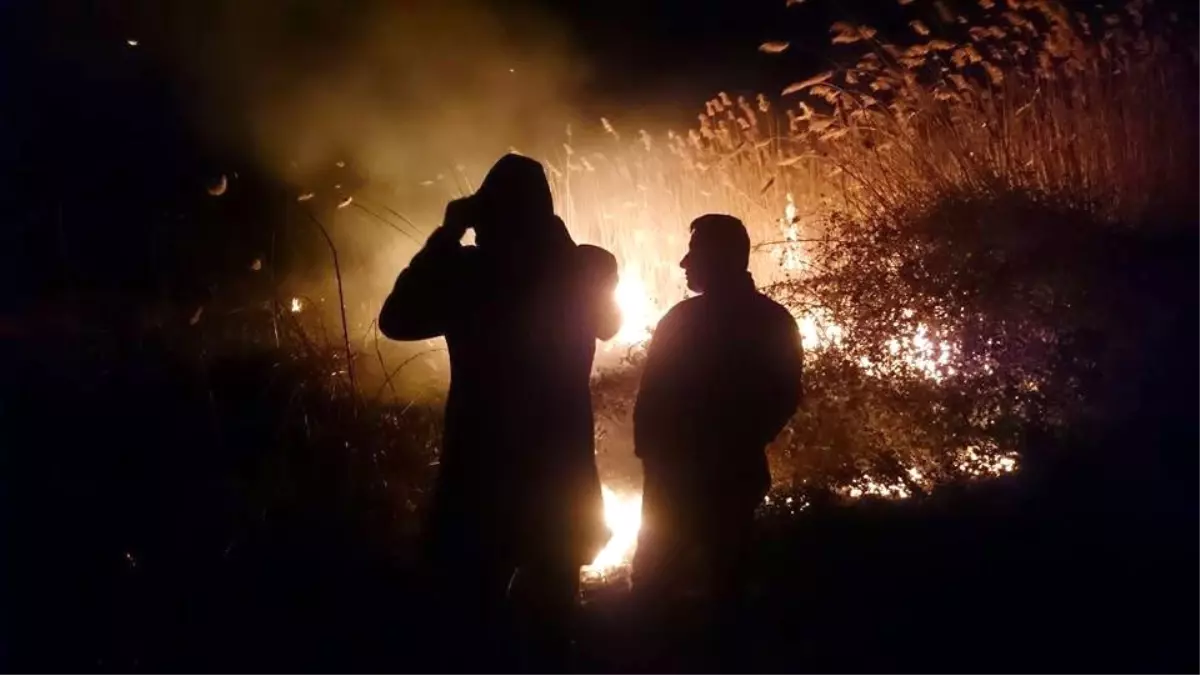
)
(1016, 96)
(993, 119)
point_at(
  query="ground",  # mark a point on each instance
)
(874, 587)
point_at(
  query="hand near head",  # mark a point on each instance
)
(460, 217)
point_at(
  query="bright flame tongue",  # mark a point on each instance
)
(623, 515)
(638, 315)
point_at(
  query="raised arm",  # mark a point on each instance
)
(420, 303)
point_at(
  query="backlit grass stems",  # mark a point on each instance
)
(1096, 109)
(913, 196)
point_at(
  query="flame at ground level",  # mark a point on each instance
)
(623, 515)
(623, 511)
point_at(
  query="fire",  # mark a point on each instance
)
(649, 284)
(297, 305)
(638, 313)
(623, 515)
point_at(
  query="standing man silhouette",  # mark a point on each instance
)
(722, 379)
(517, 488)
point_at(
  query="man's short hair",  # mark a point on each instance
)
(724, 233)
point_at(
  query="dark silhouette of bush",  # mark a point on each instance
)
(168, 510)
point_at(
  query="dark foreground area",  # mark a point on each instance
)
(159, 522)
(859, 591)
(172, 506)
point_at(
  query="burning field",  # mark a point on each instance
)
(872, 192)
(982, 216)
(891, 202)
(650, 253)
(929, 209)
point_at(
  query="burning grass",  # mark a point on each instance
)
(904, 205)
(899, 204)
(966, 222)
(1028, 98)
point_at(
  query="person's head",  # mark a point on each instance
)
(719, 252)
(513, 202)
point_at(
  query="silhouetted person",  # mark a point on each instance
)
(722, 379)
(517, 487)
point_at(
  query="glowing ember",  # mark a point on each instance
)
(219, 187)
(297, 305)
(623, 515)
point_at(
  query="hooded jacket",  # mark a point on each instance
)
(521, 312)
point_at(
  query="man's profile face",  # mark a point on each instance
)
(696, 265)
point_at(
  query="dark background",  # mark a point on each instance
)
(102, 166)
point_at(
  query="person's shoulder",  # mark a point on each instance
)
(683, 311)
(594, 265)
(675, 322)
(595, 257)
(594, 250)
(773, 311)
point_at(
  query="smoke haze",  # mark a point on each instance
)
(401, 90)
(400, 105)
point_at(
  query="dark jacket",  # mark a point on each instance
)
(722, 379)
(517, 476)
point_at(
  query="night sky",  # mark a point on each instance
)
(669, 54)
(672, 55)
(76, 94)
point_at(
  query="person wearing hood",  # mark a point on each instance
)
(517, 506)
